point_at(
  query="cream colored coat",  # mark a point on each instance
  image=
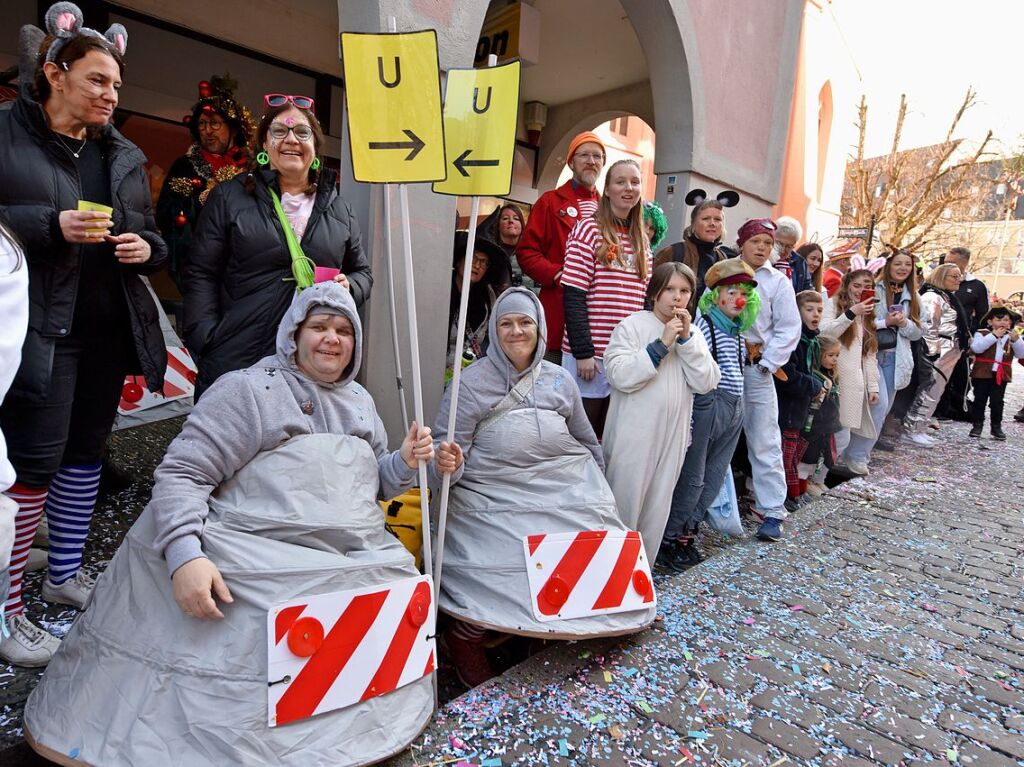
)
(858, 375)
(648, 426)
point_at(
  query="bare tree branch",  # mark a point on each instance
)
(911, 193)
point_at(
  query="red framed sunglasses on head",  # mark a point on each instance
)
(274, 100)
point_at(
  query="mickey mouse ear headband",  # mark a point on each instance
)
(64, 22)
(728, 198)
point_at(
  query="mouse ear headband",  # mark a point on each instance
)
(728, 198)
(64, 22)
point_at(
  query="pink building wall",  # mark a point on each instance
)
(740, 51)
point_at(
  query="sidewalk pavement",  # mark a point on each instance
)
(887, 628)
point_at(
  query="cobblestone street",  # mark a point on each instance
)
(887, 628)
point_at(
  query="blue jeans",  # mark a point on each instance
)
(764, 442)
(717, 420)
(860, 447)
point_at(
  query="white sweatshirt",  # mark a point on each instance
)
(13, 322)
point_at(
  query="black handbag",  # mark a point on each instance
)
(886, 339)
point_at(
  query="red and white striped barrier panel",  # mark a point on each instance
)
(329, 651)
(595, 572)
(179, 382)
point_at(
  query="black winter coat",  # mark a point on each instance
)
(973, 297)
(237, 282)
(38, 180)
(796, 393)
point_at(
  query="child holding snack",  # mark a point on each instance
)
(655, 363)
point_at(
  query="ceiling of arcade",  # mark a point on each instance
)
(587, 47)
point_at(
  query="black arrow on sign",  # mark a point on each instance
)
(415, 144)
(461, 163)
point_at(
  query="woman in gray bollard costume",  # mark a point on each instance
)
(267, 495)
(532, 466)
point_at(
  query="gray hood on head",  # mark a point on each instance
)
(494, 351)
(334, 295)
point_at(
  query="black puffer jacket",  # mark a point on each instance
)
(800, 387)
(38, 180)
(238, 279)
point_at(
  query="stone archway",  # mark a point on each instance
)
(666, 35)
(669, 102)
(553, 154)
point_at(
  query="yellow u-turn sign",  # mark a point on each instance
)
(393, 101)
(480, 110)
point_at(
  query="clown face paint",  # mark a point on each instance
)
(732, 299)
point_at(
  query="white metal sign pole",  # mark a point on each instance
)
(417, 394)
(460, 334)
(414, 349)
(391, 303)
(393, 27)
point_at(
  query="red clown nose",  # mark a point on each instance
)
(741, 301)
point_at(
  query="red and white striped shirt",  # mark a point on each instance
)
(613, 293)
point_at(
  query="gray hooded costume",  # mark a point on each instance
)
(535, 469)
(274, 478)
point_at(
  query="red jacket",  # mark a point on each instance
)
(541, 249)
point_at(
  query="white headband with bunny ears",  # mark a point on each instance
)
(874, 265)
(64, 22)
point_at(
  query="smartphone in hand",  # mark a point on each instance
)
(867, 295)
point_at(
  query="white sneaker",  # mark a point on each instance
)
(855, 466)
(42, 533)
(37, 559)
(28, 645)
(72, 592)
(921, 440)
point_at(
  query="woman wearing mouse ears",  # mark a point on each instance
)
(76, 196)
(701, 245)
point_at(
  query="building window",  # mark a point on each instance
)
(620, 125)
(824, 133)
